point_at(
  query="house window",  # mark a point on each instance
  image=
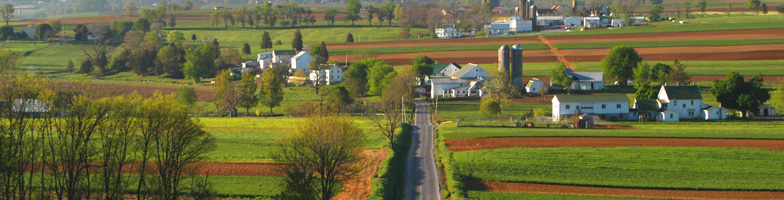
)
(684, 105)
(664, 105)
(567, 107)
(618, 106)
(604, 106)
(670, 115)
(691, 112)
(692, 102)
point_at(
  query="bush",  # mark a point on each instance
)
(490, 108)
(403, 34)
(278, 42)
(389, 184)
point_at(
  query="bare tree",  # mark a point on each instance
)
(116, 141)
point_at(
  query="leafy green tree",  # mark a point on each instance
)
(423, 66)
(702, 4)
(371, 10)
(646, 91)
(56, 25)
(339, 98)
(175, 37)
(777, 97)
(729, 8)
(86, 66)
(227, 96)
(780, 8)
(193, 37)
(130, 8)
(169, 59)
(678, 75)
(620, 63)
(356, 79)
(198, 63)
(764, 8)
(266, 41)
(559, 74)
(753, 5)
(187, 5)
(660, 73)
(142, 24)
(296, 42)
(43, 31)
(735, 93)
(330, 14)
(490, 108)
(378, 76)
(7, 12)
(352, 11)
(655, 12)
(242, 13)
(248, 93)
(642, 73)
(687, 7)
(7, 61)
(7, 32)
(186, 96)
(271, 93)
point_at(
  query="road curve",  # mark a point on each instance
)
(421, 175)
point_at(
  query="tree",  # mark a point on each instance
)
(764, 9)
(271, 93)
(193, 37)
(172, 21)
(242, 13)
(386, 114)
(352, 11)
(130, 8)
(186, 96)
(559, 74)
(339, 99)
(780, 8)
(620, 63)
(227, 96)
(379, 74)
(371, 11)
(175, 37)
(169, 61)
(216, 52)
(646, 91)
(86, 66)
(490, 108)
(56, 25)
(753, 5)
(141, 25)
(330, 14)
(642, 73)
(350, 38)
(729, 8)
(702, 4)
(777, 97)
(687, 7)
(423, 67)
(735, 93)
(660, 73)
(296, 42)
(43, 31)
(7, 12)
(246, 49)
(248, 90)
(325, 146)
(266, 41)
(355, 78)
(198, 63)
(678, 75)
(655, 12)
(70, 66)
(7, 32)
(187, 5)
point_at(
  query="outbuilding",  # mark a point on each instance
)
(668, 116)
(573, 21)
(535, 87)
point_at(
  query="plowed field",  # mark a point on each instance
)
(540, 142)
(492, 186)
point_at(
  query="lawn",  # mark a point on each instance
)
(639, 44)
(452, 110)
(721, 68)
(252, 139)
(710, 23)
(629, 167)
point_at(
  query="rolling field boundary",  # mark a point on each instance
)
(556, 52)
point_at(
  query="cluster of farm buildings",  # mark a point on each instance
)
(293, 61)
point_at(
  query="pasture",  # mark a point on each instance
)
(718, 68)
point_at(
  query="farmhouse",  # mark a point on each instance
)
(515, 24)
(467, 81)
(447, 31)
(676, 102)
(301, 62)
(266, 60)
(442, 70)
(613, 107)
(331, 75)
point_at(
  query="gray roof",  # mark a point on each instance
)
(683, 92)
(592, 98)
(587, 76)
(467, 68)
(285, 52)
(447, 80)
(647, 104)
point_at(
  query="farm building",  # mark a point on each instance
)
(331, 75)
(447, 31)
(549, 20)
(442, 70)
(30, 107)
(301, 62)
(613, 107)
(515, 24)
(685, 101)
(573, 21)
(618, 23)
(585, 80)
(467, 81)
(30, 32)
(266, 60)
(535, 87)
(765, 110)
(592, 22)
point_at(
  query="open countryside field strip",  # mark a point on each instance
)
(721, 68)
(639, 44)
(676, 36)
(540, 196)
(629, 167)
(415, 49)
(473, 144)
(712, 23)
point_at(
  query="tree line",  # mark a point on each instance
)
(74, 141)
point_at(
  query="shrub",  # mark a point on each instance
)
(490, 108)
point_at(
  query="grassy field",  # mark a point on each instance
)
(526, 46)
(710, 23)
(451, 110)
(504, 195)
(639, 44)
(630, 167)
(253, 139)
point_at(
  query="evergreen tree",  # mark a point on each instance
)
(350, 38)
(246, 49)
(296, 43)
(266, 41)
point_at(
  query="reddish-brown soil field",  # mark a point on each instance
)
(489, 56)
(147, 90)
(82, 20)
(360, 187)
(540, 142)
(617, 192)
(429, 43)
(675, 36)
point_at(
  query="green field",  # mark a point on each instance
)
(721, 68)
(629, 167)
(710, 23)
(640, 44)
(504, 195)
(527, 46)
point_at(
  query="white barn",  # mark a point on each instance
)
(301, 62)
(613, 107)
(573, 21)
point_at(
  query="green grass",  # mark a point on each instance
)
(451, 110)
(527, 46)
(639, 44)
(505, 195)
(710, 23)
(253, 139)
(722, 68)
(247, 186)
(630, 167)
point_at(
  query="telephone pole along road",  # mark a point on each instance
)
(421, 175)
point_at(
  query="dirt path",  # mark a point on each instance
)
(360, 188)
(555, 51)
(540, 142)
(492, 186)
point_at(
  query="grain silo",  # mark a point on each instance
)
(503, 59)
(516, 66)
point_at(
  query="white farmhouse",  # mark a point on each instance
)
(592, 22)
(619, 23)
(442, 70)
(275, 57)
(331, 75)
(613, 107)
(675, 102)
(467, 81)
(447, 31)
(301, 62)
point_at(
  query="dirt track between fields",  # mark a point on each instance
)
(542, 142)
(492, 186)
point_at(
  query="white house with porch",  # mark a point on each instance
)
(331, 75)
(676, 102)
(467, 81)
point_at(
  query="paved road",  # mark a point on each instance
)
(421, 176)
